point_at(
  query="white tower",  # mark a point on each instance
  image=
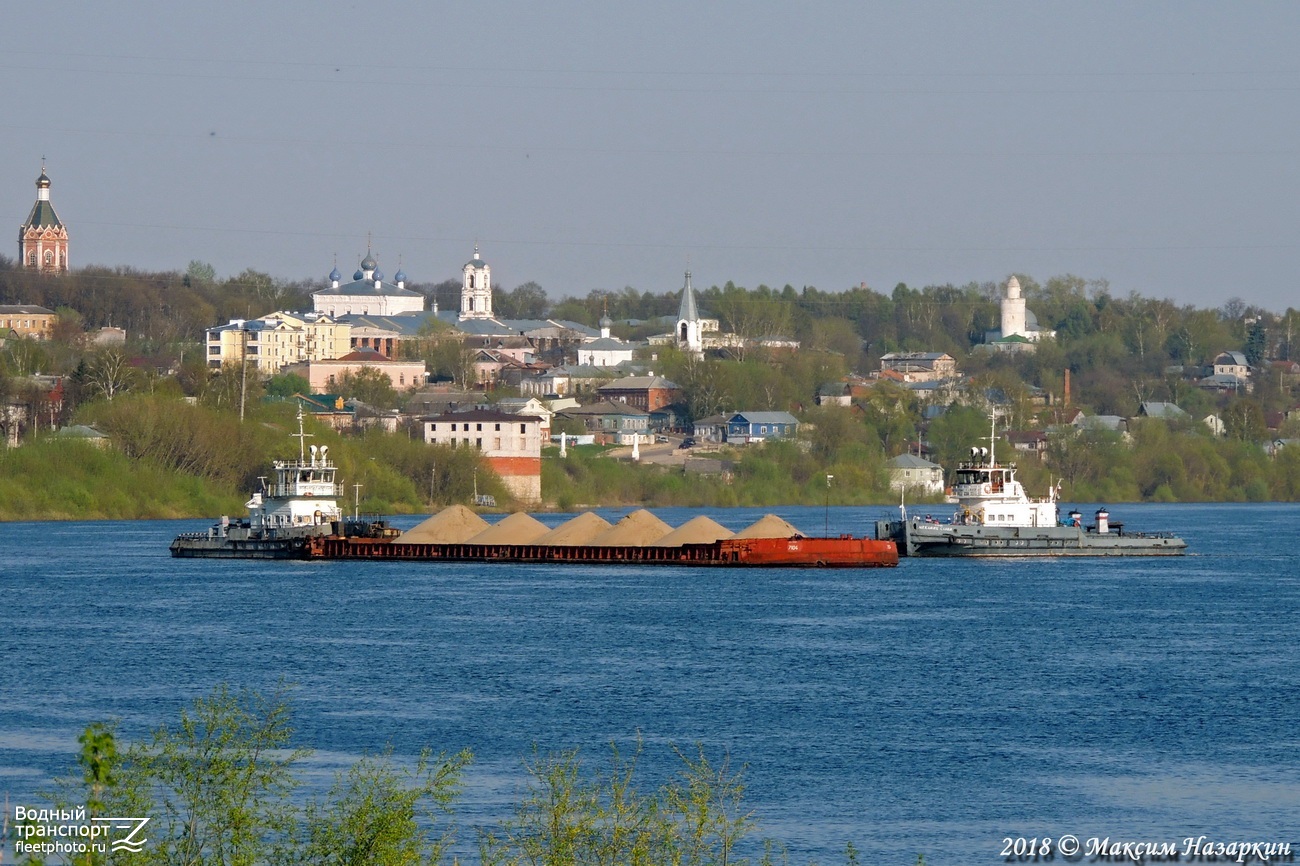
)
(1013, 310)
(476, 291)
(688, 332)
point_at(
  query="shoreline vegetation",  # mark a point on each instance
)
(168, 459)
(223, 786)
(125, 353)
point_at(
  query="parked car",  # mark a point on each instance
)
(661, 439)
(688, 442)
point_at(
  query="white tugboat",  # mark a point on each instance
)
(300, 502)
(995, 517)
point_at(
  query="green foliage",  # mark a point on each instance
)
(369, 385)
(221, 779)
(382, 813)
(287, 385)
(218, 789)
(771, 473)
(56, 479)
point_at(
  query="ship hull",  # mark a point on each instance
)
(916, 537)
(735, 553)
(239, 541)
(227, 549)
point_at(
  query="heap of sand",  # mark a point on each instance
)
(697, 530)
(579, 530)
(450, 526)
(517, 528)
(636, 530)
(770, 526)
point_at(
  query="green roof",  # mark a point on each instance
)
(42, 216)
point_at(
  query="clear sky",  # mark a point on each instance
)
(591, 145)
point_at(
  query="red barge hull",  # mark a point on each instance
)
(843, 552)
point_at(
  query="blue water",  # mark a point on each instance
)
(935, 708)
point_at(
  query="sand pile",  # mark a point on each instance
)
(517, 528)
(770, 526)
(697, 530)
(579, 530)
(450, 526)
(636, 530)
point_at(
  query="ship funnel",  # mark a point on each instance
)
(1103, 521)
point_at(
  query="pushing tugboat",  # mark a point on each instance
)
(300, 503)
(995, 517)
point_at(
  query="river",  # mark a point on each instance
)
(937, 708)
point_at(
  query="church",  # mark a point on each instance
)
(43, 238)
(382, 314)
(1020, 328)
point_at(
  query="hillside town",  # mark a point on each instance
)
(688, 379)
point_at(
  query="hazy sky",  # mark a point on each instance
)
(598, 145)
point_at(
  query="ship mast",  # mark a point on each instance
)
(993, 436)
(302, 438)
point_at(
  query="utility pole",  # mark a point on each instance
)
(826, 533)
(243, 368)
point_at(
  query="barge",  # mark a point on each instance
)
(795, 552)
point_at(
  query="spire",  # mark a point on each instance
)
(688, 312)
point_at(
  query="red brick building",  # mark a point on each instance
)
(643, 392)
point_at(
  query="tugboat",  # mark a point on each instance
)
(300, 503)
(995, 517)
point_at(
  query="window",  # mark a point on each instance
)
(523, 428)
(479, 443)
(49, 258)
(214, 350)
(31, 259)
(478, 427)
(498, 428)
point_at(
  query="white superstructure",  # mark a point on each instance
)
(301, 492)
(988, 493)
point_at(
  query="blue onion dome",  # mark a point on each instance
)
(358, 275)
(335, 276)
(400, 276)
(369, 263)
(379, 275)
(606, 322)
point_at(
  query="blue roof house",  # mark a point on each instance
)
(746, 427)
